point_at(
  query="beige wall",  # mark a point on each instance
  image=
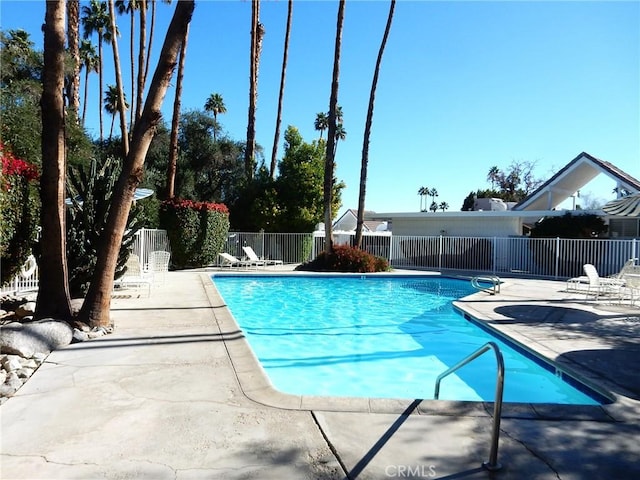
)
(481, 226)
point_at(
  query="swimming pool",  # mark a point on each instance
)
(384, 337)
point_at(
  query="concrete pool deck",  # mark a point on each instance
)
(172, 393)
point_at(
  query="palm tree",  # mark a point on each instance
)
(321, 123)
(329, 164)
(257, 32)
(53, 293)
(492, 176)
(116, 61)
(175, 121)
(129, 7)
(433, 193)
(91, 63)
(340, 134)
(443, 206)
(215, 104)
(73, 37)
(95, 19)
(276, 136)
(422, 191)
(111, 104)
(96, 306)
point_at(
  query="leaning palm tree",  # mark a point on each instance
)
(215, 104)
(95, 19)
(276, 136)
(321, 123)
(111, 104)
(91, 63)
(329, 165)
(367, 129)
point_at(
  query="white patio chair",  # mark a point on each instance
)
(134, 277)
(159, 265)
(601, 285)
(253, 257)
(230, 261)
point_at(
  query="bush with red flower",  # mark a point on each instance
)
(197, 230)
(345, 258)
(19, 212)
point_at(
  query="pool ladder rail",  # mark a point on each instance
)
(491, 279)
(492, 464)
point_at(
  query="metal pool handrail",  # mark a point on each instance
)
(495, 284)
(492, 464)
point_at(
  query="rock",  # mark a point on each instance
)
(26, 310)
(79, 336)
(41, 336)
(11, 363)
(25, 372)
(11, 384)
(29, 363)
(3, 375)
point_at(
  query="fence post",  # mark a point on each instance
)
(495, 255)
(557, 257)
(390, 248)
(440, 255)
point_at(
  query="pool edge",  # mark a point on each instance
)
(255, 385)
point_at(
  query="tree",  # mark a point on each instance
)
(257, 32)
(492, 176)
(215, 104)
(423, 192)
(331, 134)
(73, 40)
(276, 136)
(53, 293)
(111, 104)
(443, 206)
(96, 20)
(367, 129)
(91, 63)
(95, 309)
(129, 7)
(173, 160)
(116, 60)
(321, 123)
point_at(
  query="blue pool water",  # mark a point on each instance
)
(385, 337)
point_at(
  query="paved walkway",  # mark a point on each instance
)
(172, 394)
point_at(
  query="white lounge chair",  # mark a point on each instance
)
(229, 260)
(582, 282)
(253, 257)
(601, 285)
(134, 277)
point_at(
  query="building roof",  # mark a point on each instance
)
(368, 225)
(574, 176)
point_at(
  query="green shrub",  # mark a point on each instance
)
(197, 231)
(19, 213)
(346, 259)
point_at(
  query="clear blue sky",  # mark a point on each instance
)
(463, 85)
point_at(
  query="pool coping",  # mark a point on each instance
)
(255, 384)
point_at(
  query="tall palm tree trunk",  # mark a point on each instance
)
(141, 59)
(53, 294)
(86, 95)
(175, 121)
(329, 163)
(73, 43)
(132, 55)
(276, 137)
(367, 129)
(118, 69)
(100, 82)
(95, 309)
(253, 88)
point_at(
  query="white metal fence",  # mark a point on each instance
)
(555, 258)
(145, 241)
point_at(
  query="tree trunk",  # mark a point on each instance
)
(53, 294)
(253, 88)
(120, 103)
(276, 137)
(367, 129)
(132, 57)
(329, 163)
(73, 41)
(141, 58)
(95, 309)
(175, 121)
(86, 94)
(100, 81)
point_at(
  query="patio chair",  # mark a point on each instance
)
(159, 265)
(576, 283)
(252, 256)
(134, 277)
(601, 285)
(230, 261)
